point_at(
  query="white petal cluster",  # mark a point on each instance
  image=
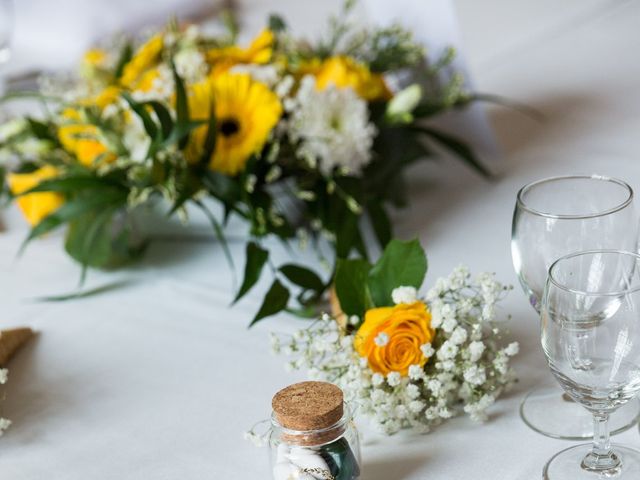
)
(466, 371)
(331, 127)
(404, 295)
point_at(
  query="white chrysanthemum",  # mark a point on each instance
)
(404, 295)
(190, 65)
(332, 127)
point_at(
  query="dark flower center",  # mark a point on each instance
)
(229, 126)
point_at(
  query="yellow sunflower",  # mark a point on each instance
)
(344, 72)
(146, 57)
(259, 51)
(35, 206)
(245, 110)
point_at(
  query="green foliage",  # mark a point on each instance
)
(401, 264)
(275, 301)
(351, 286)
(361, 286)
(256, 259)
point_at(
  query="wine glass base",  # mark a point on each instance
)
(549, 412)
(566, 465)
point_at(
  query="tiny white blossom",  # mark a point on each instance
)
(416, 372)
(354, 320)
(381, 339)
(377, 379)
(475, 375)
(393, 379)
(413, 391)
(512, 349)
(459, 336)
(427, 350)
(447, 350)
(476, 349)
(404, 295)
(449, 324)
(416, 406)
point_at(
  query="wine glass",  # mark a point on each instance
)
(554, 217)
(590, 333)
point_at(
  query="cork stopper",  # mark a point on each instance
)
(10, 342)
(309, 406)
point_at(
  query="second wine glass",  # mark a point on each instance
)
(555, 217)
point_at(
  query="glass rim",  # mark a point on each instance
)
(575, 291)
(523, 205)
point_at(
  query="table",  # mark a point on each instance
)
(159, 380)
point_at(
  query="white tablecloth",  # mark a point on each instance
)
(158, 380)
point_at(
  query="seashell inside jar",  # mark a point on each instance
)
(312, 434)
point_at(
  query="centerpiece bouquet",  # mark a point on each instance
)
(296, 138)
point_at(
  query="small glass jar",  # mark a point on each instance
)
(328, 451)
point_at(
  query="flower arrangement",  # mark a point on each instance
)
(407, 361)
(298, 139)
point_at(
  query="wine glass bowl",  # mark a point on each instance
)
(590, 335)
(561, 215)
(555, 217)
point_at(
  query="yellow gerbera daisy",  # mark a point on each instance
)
(246, 111)
(35, 206)
(343, 72)
(146, 57)
(259, 51)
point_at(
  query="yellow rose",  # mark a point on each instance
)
(35, 206)
(345, 72)
(404, 328)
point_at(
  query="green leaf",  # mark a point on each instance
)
(74, 184)
(181, 132)
(182, 105)
(401, 264)
(125, 57)
(85, 293)
(303, 277)
(256, 259)
(166, 122)
(277, 23)
(219, 231)
(351, 286)
(457, 147)
(380, 222)
(275, 301)
(141, 110)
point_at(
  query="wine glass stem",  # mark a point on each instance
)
(601, 439)
(601, 459)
